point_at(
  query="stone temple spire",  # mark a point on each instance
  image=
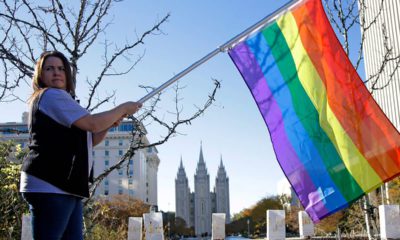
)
(221, 170)
(202, 197)
(182, 195)
(222, 192)
(201, 158)
(181, 172)
(201, 165)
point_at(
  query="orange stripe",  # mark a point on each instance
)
(360, 116)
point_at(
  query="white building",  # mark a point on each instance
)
(196, 208)
(17, 131)
(137, 178)
(374, 51)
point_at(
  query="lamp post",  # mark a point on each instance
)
(248, 227)
(169, 229)
(169, 224)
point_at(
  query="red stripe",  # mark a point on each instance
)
(349, 99)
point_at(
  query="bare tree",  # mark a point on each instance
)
(60, 26)
(28, 28)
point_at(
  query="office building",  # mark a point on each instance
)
(138, 175)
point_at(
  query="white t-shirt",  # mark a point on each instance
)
(62, 108)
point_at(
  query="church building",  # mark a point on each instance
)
(196, 207)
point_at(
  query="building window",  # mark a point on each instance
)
(120, 181)
(93, 153)
(105, 192)
(120, 172)
(130, 172)
(125, 127)
(120, 152)
(130, 161)
(106, 163)
(106, 142)
(106, 182)
(131, 192)
(120, 142)
(107, 153)
(130, 181)
(120, 191)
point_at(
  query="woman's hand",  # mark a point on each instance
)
(131, 107)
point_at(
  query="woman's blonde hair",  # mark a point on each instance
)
(37, 84)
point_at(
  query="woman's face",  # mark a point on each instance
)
(53, 73)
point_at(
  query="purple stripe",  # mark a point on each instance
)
(286, 155)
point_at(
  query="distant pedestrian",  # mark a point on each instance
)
(55, 174)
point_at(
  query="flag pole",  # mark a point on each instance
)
(229, 44)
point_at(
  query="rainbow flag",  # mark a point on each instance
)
(331, 139)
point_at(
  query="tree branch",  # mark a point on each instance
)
(138, 134)
(117, 55)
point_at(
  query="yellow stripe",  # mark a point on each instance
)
(354, 161)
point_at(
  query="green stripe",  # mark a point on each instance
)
(309, 116)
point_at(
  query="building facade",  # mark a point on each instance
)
(137, 178)
(374, 54)
(196, 207)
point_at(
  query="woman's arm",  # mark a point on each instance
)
(99, 136)
(100, 122)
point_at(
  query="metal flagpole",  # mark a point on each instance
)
(238, 38)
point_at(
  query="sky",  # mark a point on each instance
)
(232, 129)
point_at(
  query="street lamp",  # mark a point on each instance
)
(169, 229)
(169, 224)
(248, 227)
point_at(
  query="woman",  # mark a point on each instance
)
(55, 174)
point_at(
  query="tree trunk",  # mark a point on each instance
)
(368, 224)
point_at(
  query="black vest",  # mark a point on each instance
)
(57, 154)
